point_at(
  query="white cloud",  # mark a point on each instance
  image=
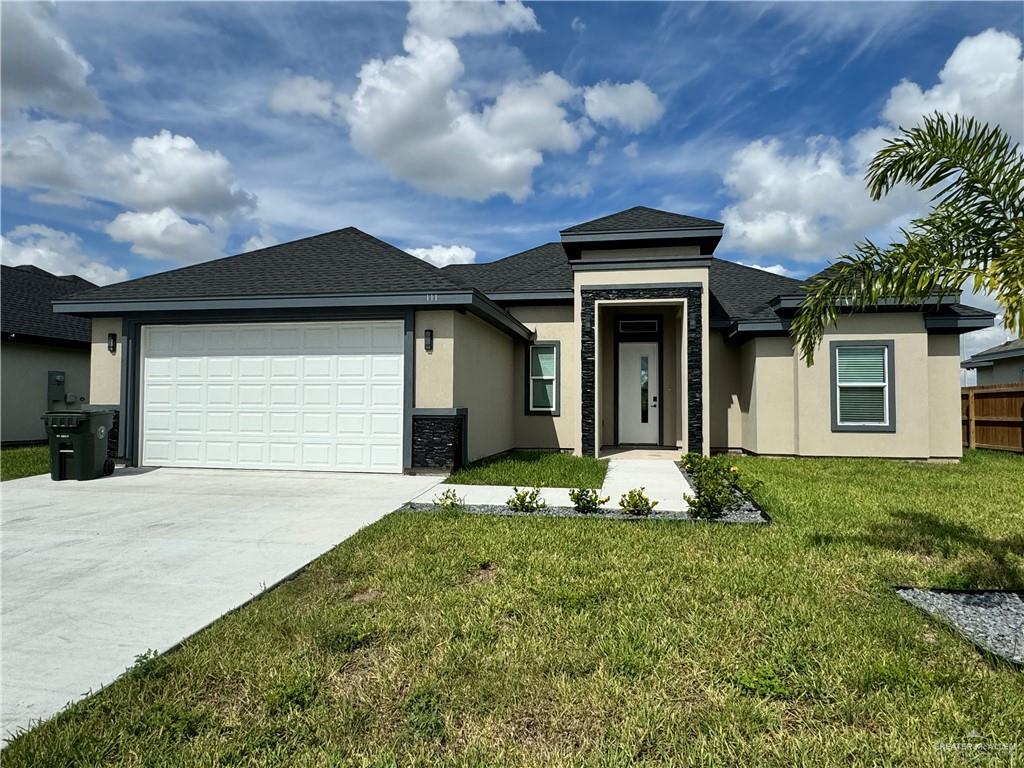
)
(430, 125)
(983, 78)
(57, 252)
(811, 203)
(165, 170)
(164, 235)
(578, 25)
(631, 150)
(408, 114)
(452, 19)
(305, 95)
(775, 269)
(443, 255)
(633, 106)
(40, 69)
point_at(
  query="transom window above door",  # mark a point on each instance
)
(542, 384)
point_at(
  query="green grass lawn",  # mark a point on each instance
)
(24, 462)
(459, 639)
(535, 469)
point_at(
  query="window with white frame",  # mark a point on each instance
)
(542, 384)
(862, 378)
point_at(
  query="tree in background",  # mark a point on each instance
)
(973, 234)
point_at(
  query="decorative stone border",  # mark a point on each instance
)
(501, 510)
(991, 619)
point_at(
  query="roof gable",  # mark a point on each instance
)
(26, 309)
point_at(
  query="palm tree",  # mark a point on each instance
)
(974, 232)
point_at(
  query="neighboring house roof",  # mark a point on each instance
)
(1008, 350)
(346, 261)
(26, 309)
(641, 219)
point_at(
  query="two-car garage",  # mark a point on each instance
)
(325, 396)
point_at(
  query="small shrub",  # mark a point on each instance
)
(715, 483)
(449, 501)
(636, 503)
(526, 501)
(586, 500)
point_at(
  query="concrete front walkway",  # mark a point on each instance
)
(98, 572)
(659, 477)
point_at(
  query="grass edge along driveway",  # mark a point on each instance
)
(24, 461)
(435, 638)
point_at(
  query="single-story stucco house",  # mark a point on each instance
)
(1001, 364)
(342, 352)
(35, 341)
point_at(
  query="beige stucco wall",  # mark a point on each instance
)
(727, 397)
(625, 278)
(550, 323)
(1002, 372)
(773, 414)
(105, 368)
(435, 370)
(766, 400)
(945, 435)
(23, 379)
(911, 438)
(485, 384)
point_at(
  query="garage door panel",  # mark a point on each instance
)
(324, 396)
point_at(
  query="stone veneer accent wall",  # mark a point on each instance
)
(694, 355)
(438, 441)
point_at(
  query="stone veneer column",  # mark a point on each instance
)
(694, 356)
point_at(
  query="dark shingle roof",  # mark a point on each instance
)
(737, 292)
(544, 268)
(641, 219)
(743, 293)
(26, 296)
(340, 262)
(1012, 348)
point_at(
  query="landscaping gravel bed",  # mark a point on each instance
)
(748, 513)
(991, 619)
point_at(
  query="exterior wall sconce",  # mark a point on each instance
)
(111, 343)
(428, 339)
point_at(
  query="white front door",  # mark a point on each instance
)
(639, 393)
(324, 396)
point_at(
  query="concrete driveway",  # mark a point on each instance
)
(97, 572)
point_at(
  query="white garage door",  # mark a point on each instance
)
(316, 396)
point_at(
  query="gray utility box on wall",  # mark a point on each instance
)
(78, 443)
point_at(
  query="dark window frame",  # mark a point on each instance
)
(890, 384)
(528, 379)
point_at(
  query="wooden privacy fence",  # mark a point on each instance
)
(993, 417)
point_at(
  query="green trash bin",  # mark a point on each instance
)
(78, 444)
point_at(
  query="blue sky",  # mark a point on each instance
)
(140, 137)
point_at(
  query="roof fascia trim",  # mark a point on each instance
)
(602, 235)
(474, 300)
(621, 264)
(793, 301)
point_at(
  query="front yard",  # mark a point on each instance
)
(449, 638)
